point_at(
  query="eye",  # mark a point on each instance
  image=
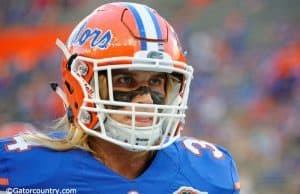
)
(124, 80)
(156, 81)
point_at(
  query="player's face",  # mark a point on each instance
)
(138, 87)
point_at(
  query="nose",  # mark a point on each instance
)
(143, 98)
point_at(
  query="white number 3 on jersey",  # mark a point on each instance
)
(196, 146)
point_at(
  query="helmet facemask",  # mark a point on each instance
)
(167, 118)
(132, 132)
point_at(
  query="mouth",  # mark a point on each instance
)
(142, 121)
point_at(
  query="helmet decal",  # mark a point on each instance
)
(96, 36)
(148, 26)
(155, 55)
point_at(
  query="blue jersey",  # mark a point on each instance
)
(188, 166)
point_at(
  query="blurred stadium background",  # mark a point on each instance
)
(245, 93)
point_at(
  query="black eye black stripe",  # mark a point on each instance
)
(157, 97)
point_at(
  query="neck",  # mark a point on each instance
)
(124, 162)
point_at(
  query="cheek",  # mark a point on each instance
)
(163, 92)
(159, 89)
(119, 117)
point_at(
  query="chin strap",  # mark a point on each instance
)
(64, 49)
(54, 86)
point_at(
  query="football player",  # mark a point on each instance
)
(125, 85)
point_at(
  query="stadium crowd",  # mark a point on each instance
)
(245, 95)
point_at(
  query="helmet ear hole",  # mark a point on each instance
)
(76, 105)
(70, 61)
(69, 87)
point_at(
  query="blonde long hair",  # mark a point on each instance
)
(75, 137)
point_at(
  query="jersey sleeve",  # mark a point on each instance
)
(20, 164)
(235, 177)
(4, 181)
(208, 166)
